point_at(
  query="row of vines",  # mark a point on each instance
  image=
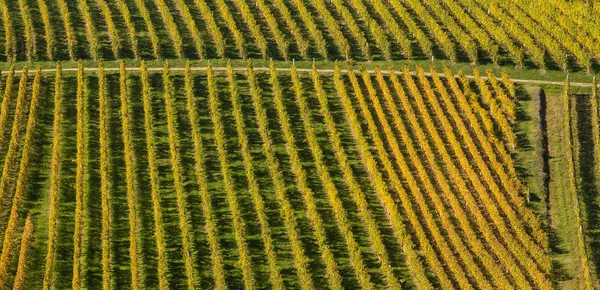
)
(298, 178)
(488, 31)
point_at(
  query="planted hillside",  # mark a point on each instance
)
(536, 34)
(263, 176)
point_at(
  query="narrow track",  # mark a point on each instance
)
(304, 70)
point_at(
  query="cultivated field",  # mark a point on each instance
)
(299, 144)
(209, 179)
(553, 34)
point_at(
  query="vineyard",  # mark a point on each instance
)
(553, 34)
(299, 144)
(243, 177)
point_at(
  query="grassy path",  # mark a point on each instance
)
(518, 75)
(562, 215)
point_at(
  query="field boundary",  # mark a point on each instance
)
(305, 70)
